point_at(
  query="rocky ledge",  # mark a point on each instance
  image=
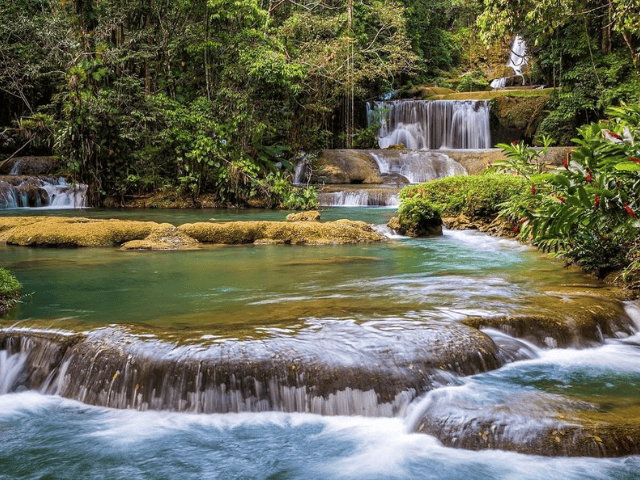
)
(136, 235)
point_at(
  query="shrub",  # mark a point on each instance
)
(472, 195)
(418, 217)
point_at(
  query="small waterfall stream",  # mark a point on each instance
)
(23, 189)
(517, 60)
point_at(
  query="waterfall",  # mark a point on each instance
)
(417, 166)
(40, 192)
(421, 124)
(359, 198)
(290, 374)
(517, 60)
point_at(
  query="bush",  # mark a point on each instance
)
(9, 290)
(419, 217)
(587, 210)
(472, 195)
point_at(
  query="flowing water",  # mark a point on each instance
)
(336, 304)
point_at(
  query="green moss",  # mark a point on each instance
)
(473, 195)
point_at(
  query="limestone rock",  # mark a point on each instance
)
(309, 216)
(345, 167)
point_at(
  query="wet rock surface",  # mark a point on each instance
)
(531, 423)
(325, 372)
(565, 321)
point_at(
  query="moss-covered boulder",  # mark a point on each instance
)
(294, 233)
(72, 232)
(165, 237)
(308, 216)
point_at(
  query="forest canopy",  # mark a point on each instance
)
(223, 96)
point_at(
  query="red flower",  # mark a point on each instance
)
(571, 153)
(629, 210)
(533, 190)
(596, 202)
(589, 177)
(515, 229)
(565, 163)
(615, 135)
(562, 199)
(515, 142)
(524, 220)
(632, 159)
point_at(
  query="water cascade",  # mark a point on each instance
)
(517, 60)
(422, 124)
(21, 189)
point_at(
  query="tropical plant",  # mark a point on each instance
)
(588, 212)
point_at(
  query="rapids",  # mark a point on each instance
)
(349, 307)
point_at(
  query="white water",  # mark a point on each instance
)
(41, 192)
(358, 198)
(421, 124)
(517, 60)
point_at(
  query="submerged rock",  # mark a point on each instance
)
(576, 320)
(527, 422)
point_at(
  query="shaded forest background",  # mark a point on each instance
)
(224, 96)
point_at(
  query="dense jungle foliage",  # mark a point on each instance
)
(224, 96)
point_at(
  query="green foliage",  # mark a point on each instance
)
(588, 212)
(418, 216)
(472, 195)
(9, 285)
(473, 82)
(522, 160)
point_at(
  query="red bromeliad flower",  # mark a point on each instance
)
(514, 143)
(589, 177)
(562, 199)
(515, 229)
(632, 159)
(524, 220)
(596, 202)
(565, 163)
(629, 210)
(533, 190)
(615, 135)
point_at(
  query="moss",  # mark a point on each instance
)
(74, 232)
(83, 232)
(165, 237)
(308, 216)
(295, 233)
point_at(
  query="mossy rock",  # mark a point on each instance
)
(309, 216)
(294, 233)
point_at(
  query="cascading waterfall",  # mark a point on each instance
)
(421, 124)
(28, 186)
(517, 60)
(40, 192)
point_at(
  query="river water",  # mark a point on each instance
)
(315, 293)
